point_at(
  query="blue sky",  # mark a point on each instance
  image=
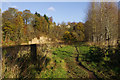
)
(60, 11)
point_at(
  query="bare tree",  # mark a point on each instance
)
(102, 20)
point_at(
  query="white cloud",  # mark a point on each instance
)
(51, 9)
(13, 6)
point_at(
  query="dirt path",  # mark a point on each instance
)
(46, 40)
(91, 73)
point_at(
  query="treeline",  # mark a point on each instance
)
(18, 26)
(102, 23)
(101, 26)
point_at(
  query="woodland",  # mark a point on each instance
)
(77, 50)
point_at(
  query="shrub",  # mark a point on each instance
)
(95, 54)
(68, 36)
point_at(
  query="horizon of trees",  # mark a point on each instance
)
(102, 25)
(22, 26)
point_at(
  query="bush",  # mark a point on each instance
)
(68, 36)
(95, 54)
(76, 33)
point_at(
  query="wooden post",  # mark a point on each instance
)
(33, 52)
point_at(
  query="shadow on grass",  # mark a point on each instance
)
(29, 61)
(104, 59)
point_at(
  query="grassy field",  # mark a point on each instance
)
(91, 57)
(64, 62)
(100, 62)
(64, 65)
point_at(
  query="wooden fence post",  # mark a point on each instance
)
(33, 52)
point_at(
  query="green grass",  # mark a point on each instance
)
(56, 69)
(83, 49)
(67, 54)
(102, 68)
(64, 52)
(63, 64)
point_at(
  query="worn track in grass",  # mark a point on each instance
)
(92, 74)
